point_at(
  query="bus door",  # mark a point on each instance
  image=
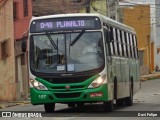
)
(113, 64)
(116, 62)
(108, 63)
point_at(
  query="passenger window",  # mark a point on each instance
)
(128, 45)
(115, 41)
(123, 44)
(112, 42)
(119, 42)
(131, 45)
(135, 47)
(127, 52)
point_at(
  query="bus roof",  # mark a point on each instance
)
(114, 23)
(105, 19)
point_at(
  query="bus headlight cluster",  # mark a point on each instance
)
(38, 85)
(98, 82)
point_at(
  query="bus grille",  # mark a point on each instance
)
(67, 79)
(71, 87)
(67, 95)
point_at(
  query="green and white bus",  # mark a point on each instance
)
(82, 58)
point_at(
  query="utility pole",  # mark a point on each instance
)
(87, 6)
(108, 8)
(116, 10)
(112, 7)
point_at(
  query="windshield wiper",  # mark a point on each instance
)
(52, 42)
(77, 38)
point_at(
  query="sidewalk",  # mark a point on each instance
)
(14, 103)
(152, 76)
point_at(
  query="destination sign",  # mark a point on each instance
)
(65, 24)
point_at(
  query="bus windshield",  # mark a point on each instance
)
(66, 52)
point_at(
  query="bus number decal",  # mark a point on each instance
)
(42, 96)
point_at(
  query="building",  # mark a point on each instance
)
(155, 27)
(7, 61)
(138, 17)
(22, 11)
(112, 6)
(49, 7)
(68, 6)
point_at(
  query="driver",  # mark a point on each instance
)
(92, 48)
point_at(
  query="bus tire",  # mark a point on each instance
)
(108, 106)
(129, 100)
(120, 102)
(71, 105)
(115, 88)
(80, 106)
(49, 107)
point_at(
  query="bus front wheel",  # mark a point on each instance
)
(108, 106)
(120, 102)
(71, 105)
(49, 107)
(129, 100)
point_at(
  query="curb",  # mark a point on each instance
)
(2, 107)
(14, 103)
(150, 77)
(5, 106)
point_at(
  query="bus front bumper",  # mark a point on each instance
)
(99, 94)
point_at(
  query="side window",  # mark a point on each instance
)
(123, 44)
(112, 41)
(131, 46)
(119, 42)
(25, 8)
(15, 11)
(128, 45)
(135, 47)
(118, 52)
(115, 41)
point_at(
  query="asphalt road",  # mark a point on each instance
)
(146, 103)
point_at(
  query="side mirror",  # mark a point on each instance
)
(24, 45)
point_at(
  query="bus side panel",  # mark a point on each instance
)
(134, 74)
(110, 91)
(117, 74)
(110, 78)
(125, 77)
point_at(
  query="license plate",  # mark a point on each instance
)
(97, 94)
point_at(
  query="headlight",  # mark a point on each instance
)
(38, 85)
(98, 82)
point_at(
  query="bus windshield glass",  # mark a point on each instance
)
(66, 52)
